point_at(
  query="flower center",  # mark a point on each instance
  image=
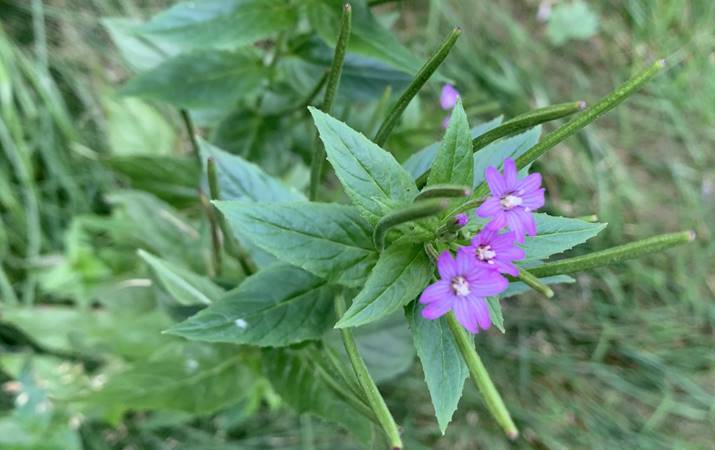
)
(510, 201)
(485, 253)
(460, 286)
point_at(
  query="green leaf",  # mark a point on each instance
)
(239, 179)
(135, 127)
(517, 287)
(200, 79)
(280, 305)
(384, 362)
(294, 376)
(372, 178)
(368, 36)
(442, 363)
(421, 161)
(329, 240)
(220, 24)
(558, 234)
(495, 153)
(139, 53)
(186, 287)
(399, 276)
(454, 162)
(495, 313)
(571, 20)
(191, 378)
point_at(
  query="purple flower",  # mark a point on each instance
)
(495, 251)
(512, 200)
(462, 287)
(448, 97)
(461, 219)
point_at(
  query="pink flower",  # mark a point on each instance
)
(512, 200)
(495, 251)
(462, 287)
(448, 97)
(461, 219)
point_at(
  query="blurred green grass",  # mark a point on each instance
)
(622, 359)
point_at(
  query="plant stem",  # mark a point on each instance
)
(377, 403)
(336, 69)
(415, 211)
(191, 131)
(211, 212)
(444, 191)
(525, 121)
(481, 378)
(530, 280)
(614, 254)
(420, 79)
(590, 114)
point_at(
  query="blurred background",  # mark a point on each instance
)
(623, 358)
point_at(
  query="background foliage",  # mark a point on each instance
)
(623, 358)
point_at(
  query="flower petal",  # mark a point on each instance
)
(448, 97)
(507, 267)
(490, 208)
(510, 174)
(529, 184)
(465, 315)
(465, 262)
(499, 221)
(533, 200)
(437, 309)
(495, 181)
(437, 292)
(446, 266)
(481, 309)
(514, 221)
(485, 283)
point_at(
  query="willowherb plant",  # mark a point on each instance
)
(440, 240)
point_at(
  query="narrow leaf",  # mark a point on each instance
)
(454, 162)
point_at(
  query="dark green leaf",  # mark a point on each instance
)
(454, 162)
(421, 161)
(399, 276)
(186, 287)
(371, 177)
(332, 241)
(442, 363)
(220, 24)
(200, 79)
(278, 306)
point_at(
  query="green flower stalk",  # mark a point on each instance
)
(416, 211)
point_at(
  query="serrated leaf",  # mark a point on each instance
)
(280, 305)
(495, 153)
(442, 363)
(206, 79)
(495, 313)
(454, 162)
(420, 162)
(372, 177)
(239, 179)
(295, 377)
(220, 24)
(517, 287)
(368, 37)
(399, 276)
(329, 240)
(558, 234)
(186, 287)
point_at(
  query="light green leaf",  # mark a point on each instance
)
(454, 162)
(442, 363)
(139, 53)
(329, 240)
(571, 20)
(186, 287)
(368, 37)
(239, 179)
(280, 305)
(372, 178)
(495, 313)
(220, 24)
(420, 162)
(495, 153)
(135, 127)
(558, 234)
(204, 79)
(294, 375)
(399, 276)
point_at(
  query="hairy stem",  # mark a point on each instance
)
(415, 211)
(530, 280)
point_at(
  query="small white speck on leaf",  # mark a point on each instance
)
(240, 323)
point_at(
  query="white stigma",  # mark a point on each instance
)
(510, 201)
(485, 253)
(460, 286)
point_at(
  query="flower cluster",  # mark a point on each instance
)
(478, 270)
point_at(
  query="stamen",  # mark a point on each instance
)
(510, 201)
(460, 286)
(485, 253)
